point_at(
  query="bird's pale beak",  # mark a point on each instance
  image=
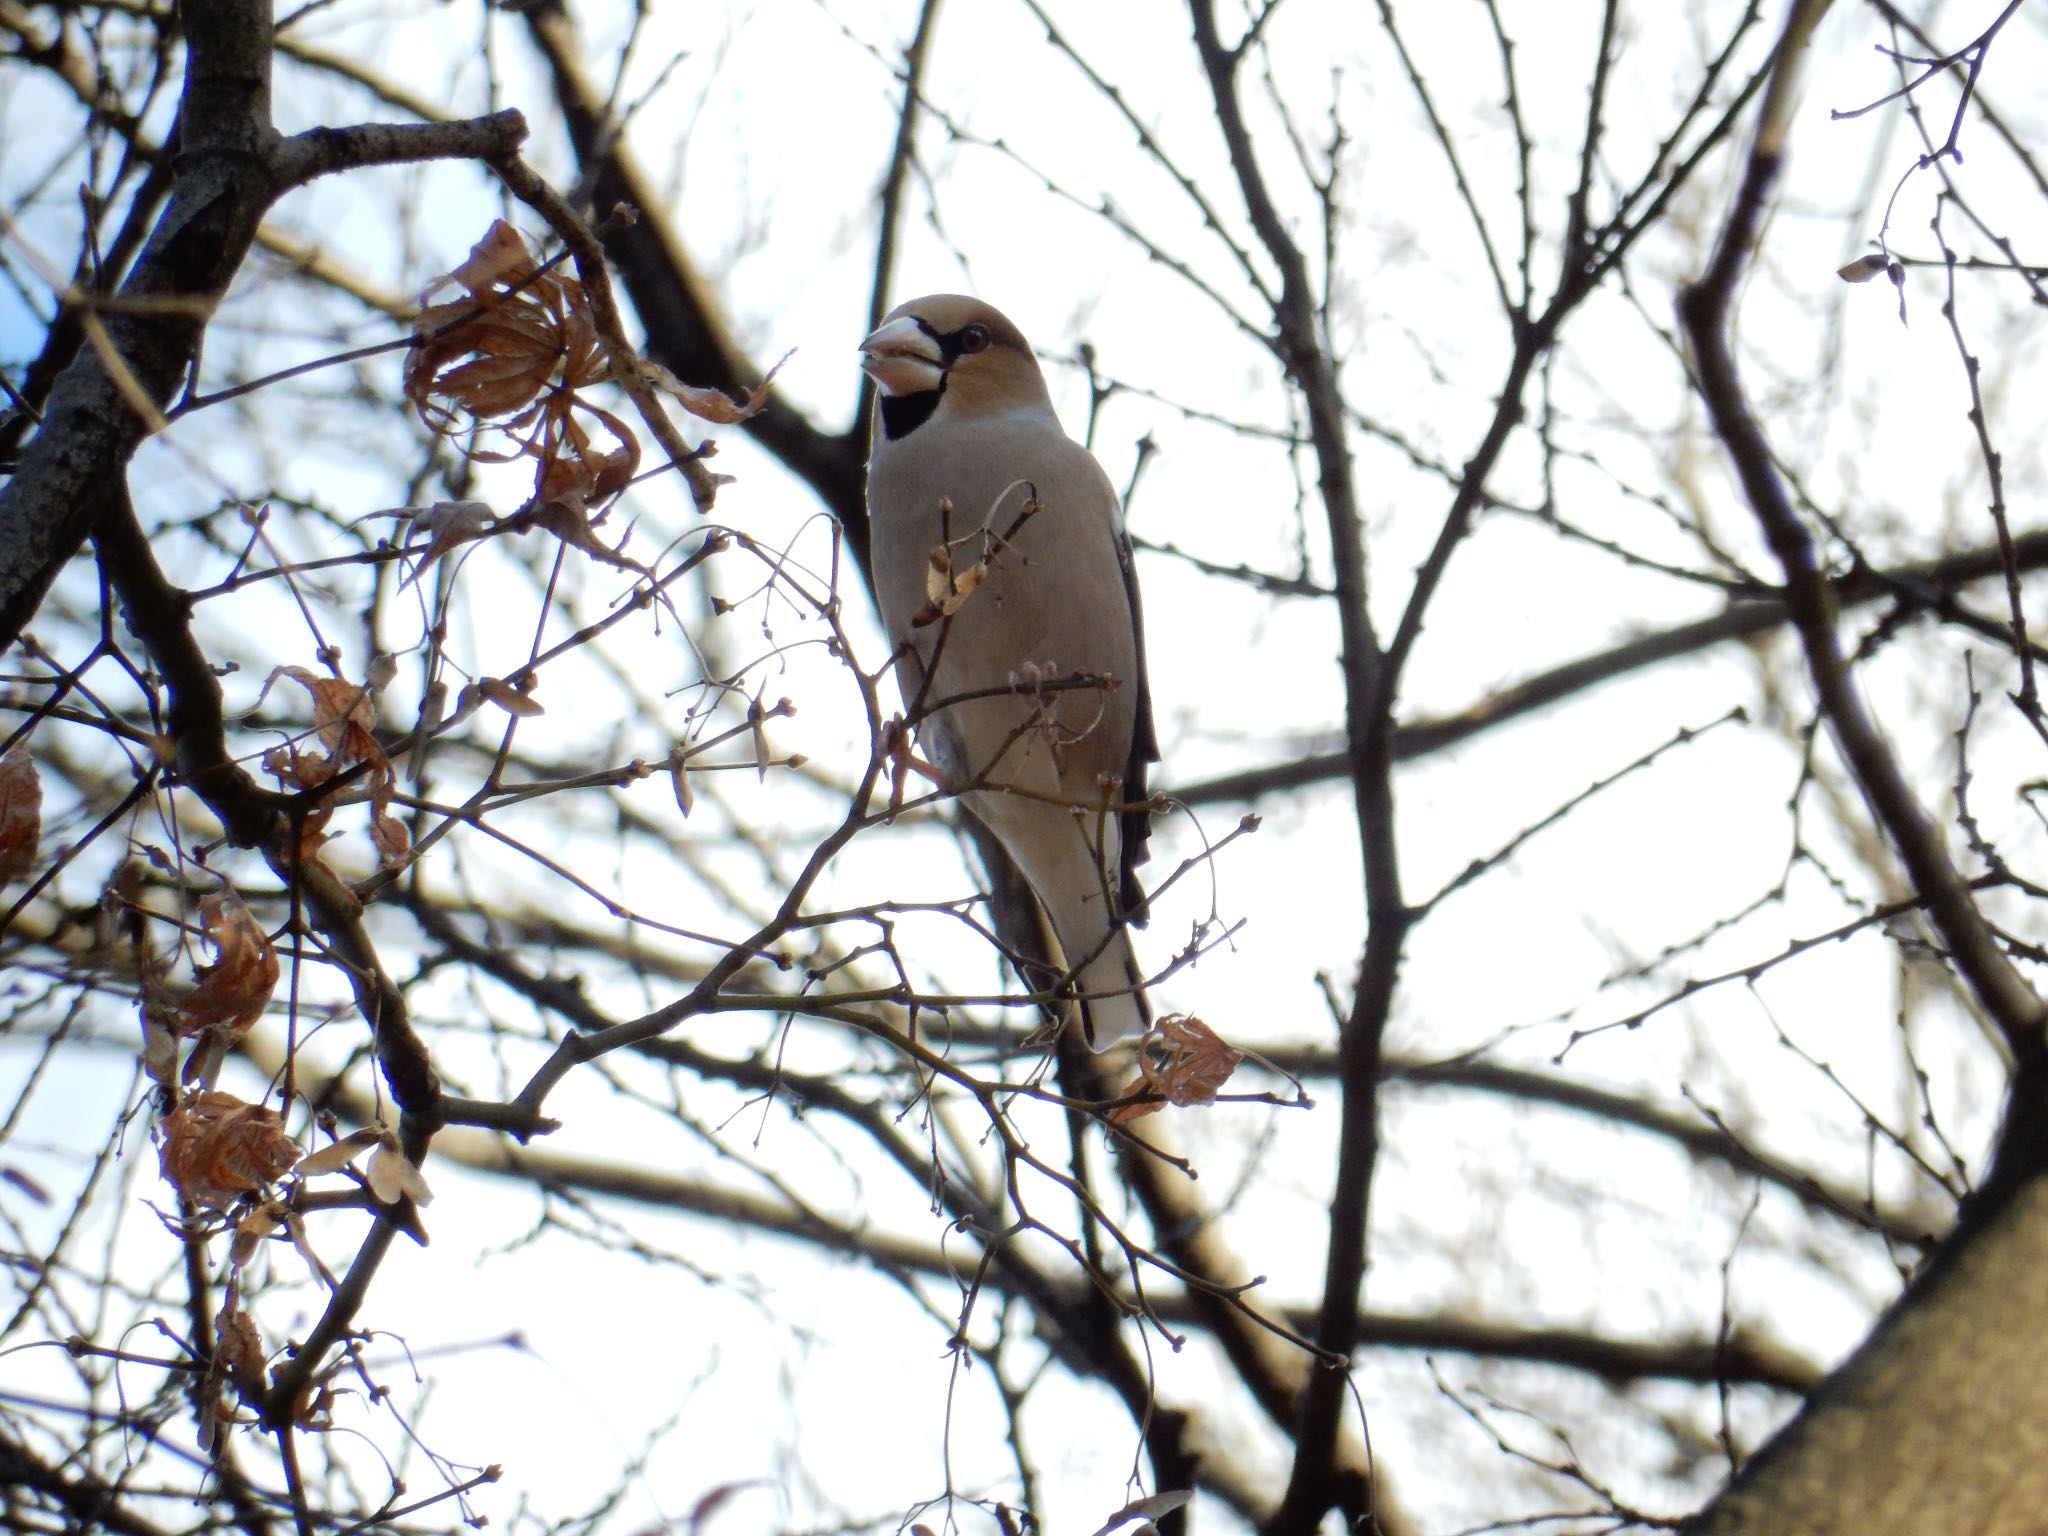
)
(903, 358)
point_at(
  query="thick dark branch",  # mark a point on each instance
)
(92, 279)
(1320, 1480)
(1947, 1393)
(325, 151)
(88, 1503)
(112, 394)
(228, 170)
(160, 616)
(1706, 310)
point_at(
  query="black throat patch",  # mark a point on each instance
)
(904, 414)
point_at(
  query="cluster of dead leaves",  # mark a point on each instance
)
(216, 1148)
(219, 1151)
(514, 354)
(1180, 1061)
(344, 728)
(517, 355)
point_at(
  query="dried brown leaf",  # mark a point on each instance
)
(713, 405)
(500, 257)
(240, 1350)
(216, 1146)
(447, 524)
(575, 468)
(492, 351)
(1181, 1061)
(253, 1228)
(344, 722)
(344, 714)
(393, 840)
(21, 813)
(234, 990)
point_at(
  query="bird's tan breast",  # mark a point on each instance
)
(1050, 597)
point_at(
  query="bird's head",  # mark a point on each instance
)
(956, 348)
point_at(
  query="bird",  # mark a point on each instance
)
(1000, 565)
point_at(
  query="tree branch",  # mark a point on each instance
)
(686, 333)
(1706, 311)
(1922, 582)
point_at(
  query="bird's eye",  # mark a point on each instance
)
(975, 338)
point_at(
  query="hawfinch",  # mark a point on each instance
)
(1001, 567)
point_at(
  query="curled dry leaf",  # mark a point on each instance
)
(492, 352)
(343, 714)
(393, 840)
(262, 1222)
(234, 990)
(216, 1146)
(1181, 1061)
(344, 725)
(240, 1349)
(446, 524)
(1864, 268)
(21, 813)
(713, 405)
(253, 1228)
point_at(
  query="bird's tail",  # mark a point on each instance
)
(1112, 994)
